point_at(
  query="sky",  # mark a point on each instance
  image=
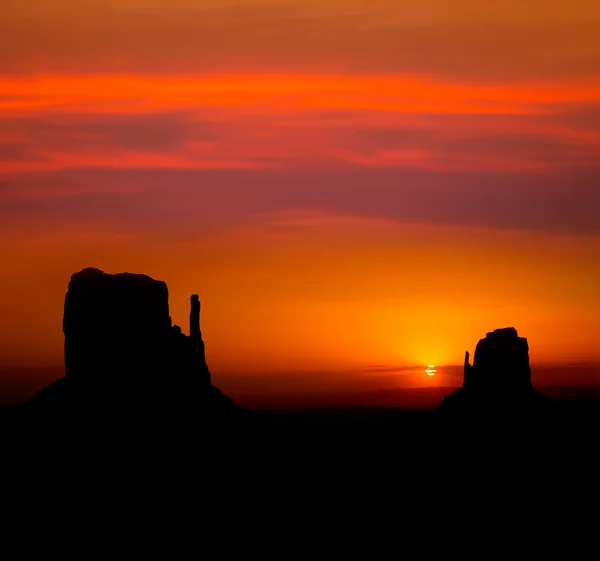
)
(356, 189)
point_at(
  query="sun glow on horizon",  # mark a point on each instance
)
(430, 371)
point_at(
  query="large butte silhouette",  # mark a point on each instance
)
(124, 358)
(499, 380)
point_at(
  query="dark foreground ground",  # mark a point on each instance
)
(567, 430)
(294, 479)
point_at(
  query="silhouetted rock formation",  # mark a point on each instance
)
(123, 356)
(500, 377)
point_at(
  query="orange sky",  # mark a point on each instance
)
(352, 187)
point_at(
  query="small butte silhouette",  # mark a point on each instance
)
(499, 380)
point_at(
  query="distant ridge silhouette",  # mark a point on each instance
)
(499, 379)
(124, 358)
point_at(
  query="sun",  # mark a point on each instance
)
(430, 371)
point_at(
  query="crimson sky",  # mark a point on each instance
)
(355, 188)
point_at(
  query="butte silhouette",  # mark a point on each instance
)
(125, 359)
(499, 381)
